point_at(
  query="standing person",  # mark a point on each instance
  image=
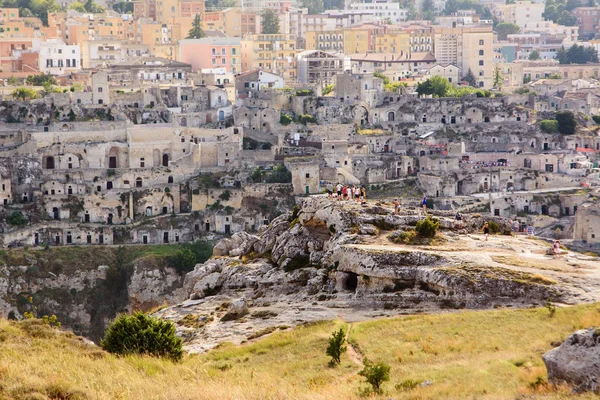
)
(339, 191)
(345, 192)
(515, 227)
(458, 220)
(329, 190)
(529, 231)
(486, 231)
(364, 193)
(396, 206)
(424, 202)
(357, 194)
(556, 249)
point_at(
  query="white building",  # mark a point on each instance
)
(383, 9)
(448, 71)
(58, 58)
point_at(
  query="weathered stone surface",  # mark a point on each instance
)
(576, 361)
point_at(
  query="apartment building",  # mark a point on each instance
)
(420, 37)
(167, 10)
(212, 52)
(17, 58)
(587, 20)
(393, 42)
(98, 53)
(385, 10)
(521, 13)
(467, 47)
(228, 21)
(274, 53)
(320, 67)
(57, 57)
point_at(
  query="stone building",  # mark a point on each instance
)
(587, 224)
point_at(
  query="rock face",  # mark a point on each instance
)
(332, 258)
(86, 296)
(576, 361)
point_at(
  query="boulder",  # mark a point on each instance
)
(576, 361)
(236, 310)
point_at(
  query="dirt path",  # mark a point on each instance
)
(355, 356)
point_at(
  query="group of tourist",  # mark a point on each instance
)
(342, 192)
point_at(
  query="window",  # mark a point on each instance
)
(99, 90)
(480, 52)
(233, 51)
(307, 175)
(480, 63)
(223, 51)
(214, 51)
(214, 61)
(481, 42)
(222, 61)
(142, 163)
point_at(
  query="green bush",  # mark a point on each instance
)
(327, 89)
(307, 119)
(596, 118)
(226, 195)
(336, 347)
(427, 227)
(494, 227)
(202, 250)
(16, 218)
(549, 125)
(142, 334)
(183, 261)
(285, 119)
(566, 122)
(376, 374)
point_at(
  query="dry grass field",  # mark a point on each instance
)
(465, 355)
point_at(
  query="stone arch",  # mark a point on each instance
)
(113, 157)
(65, 127)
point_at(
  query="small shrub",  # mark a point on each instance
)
(294, 215)
(307, 119)
(549, 125)
(16, 218)
(225, 196)
(549, 305)
(336, 347)
(143, 335)
(407, 384)
(375, 374)
(596, 118)
(285, 119)
(494, 227)
(297, 262)
(427, 227)
(110, 172)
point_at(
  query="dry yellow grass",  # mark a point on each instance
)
(482, 355)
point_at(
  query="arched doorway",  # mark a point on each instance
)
(55, 214)
(391, 116)
(49, 162)
(165, 160)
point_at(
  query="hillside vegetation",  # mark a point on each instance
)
(474, 354)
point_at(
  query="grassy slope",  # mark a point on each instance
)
(480, 355)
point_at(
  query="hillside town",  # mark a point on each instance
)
(151, 122)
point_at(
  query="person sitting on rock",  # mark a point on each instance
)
(557, 250)
(396, 206)
(458, 220)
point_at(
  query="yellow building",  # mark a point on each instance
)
(274, 53)
(393, 42)
(341, 40)
(467, 47)
(228, 21)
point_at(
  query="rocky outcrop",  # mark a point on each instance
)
(576, 361)
(336, 256)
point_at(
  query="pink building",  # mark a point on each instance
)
(212, 52)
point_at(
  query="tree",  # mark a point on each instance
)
(498, 78)
(24, 93)
(438, 86)
(39, 80)
(534, 55)
(336, 347)
(13, 81)
(16, 218)
(577, 54)
(77, 6)
(142, 334)
(123, 7)
(470, 78)
(270, 22)
(567, 19)
(196, 32)
(375, 374)
(93, 8)
(566, 122)
(506, 28)
(314, 6)
(428, 10)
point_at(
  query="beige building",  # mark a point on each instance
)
(467, 47)
(520, 13)
(448, 71)
(274, 53)
(587, 224)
